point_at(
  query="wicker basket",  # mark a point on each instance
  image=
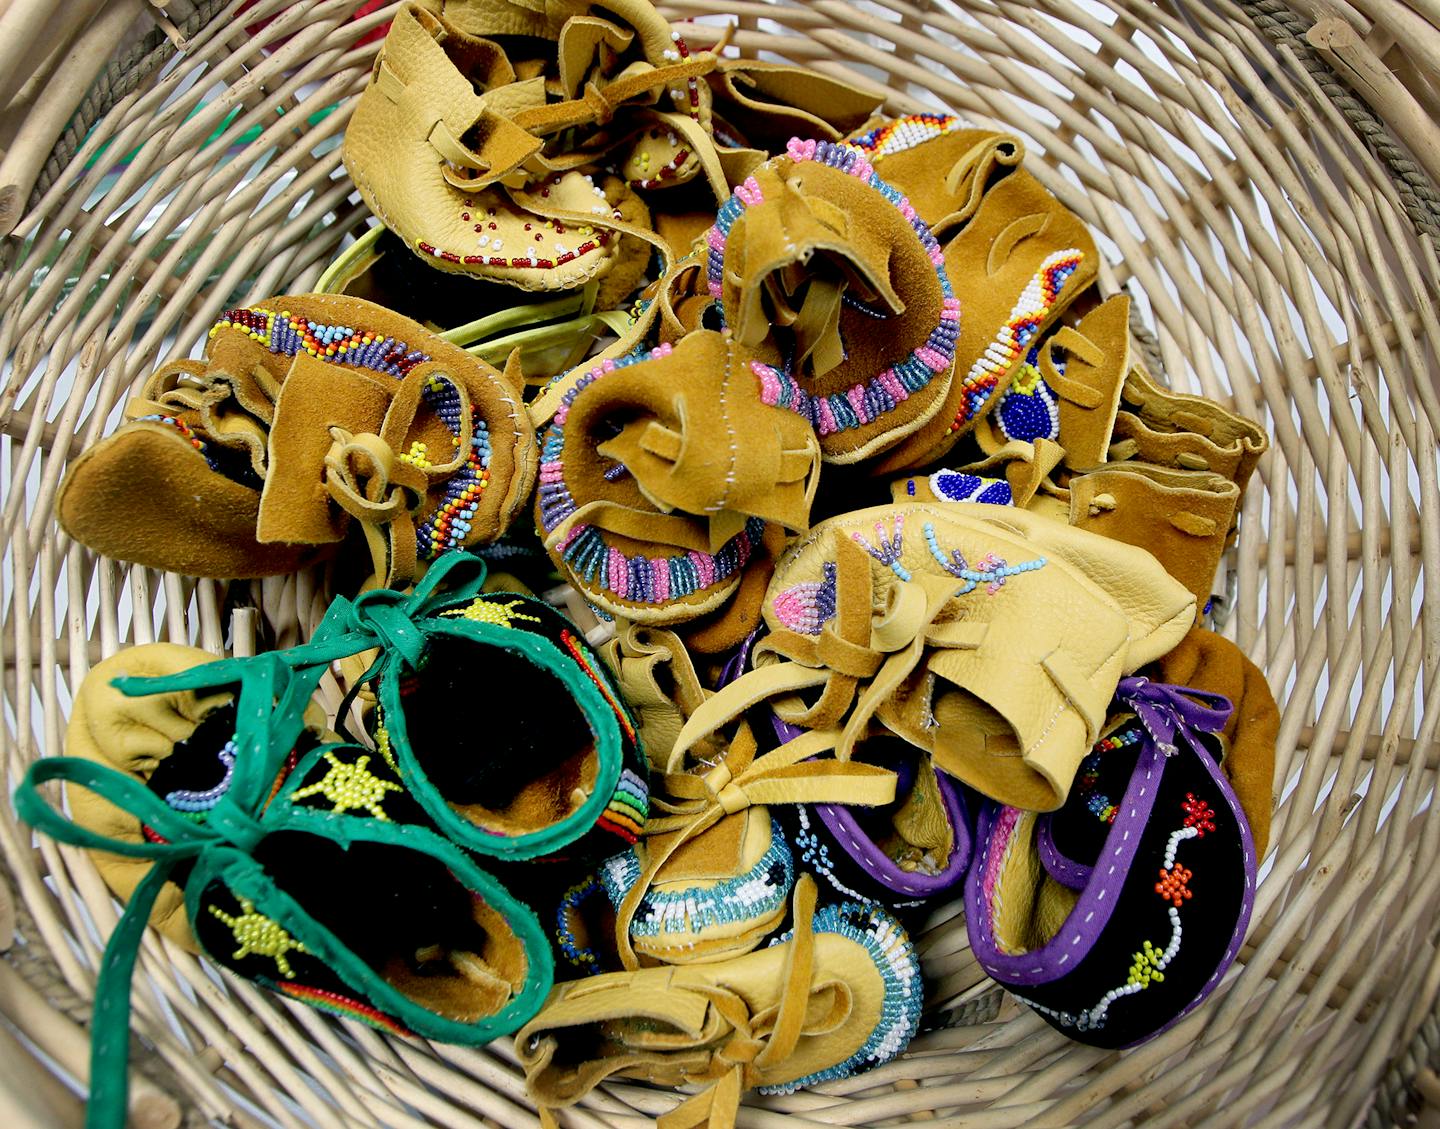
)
(1278, 264)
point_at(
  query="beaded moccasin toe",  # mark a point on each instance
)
(551, 767)
(719, 895)
(1118, 914)
(331, 891)
(836, 995)
(991, 637)
(660, 474)
(306, 411)
(1016, 263)
(818, 255)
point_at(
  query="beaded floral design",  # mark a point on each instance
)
(864, 403)
(1099, 804)
(808, 606)
(887, 547)
(258, 935)
(1147, 964)
(638, 579)
(989, 570)
(350, 786)
(1013, 338)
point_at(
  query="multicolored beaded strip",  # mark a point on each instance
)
(1032, 310)
(580, 956)
(1028, 409)
(904, 133)
(887, 944)
(338, 1005)
(808, 606)
(287, 334)
(447, 527)
(745, 898)
(867, 402)
(581, 655)
(1149, 962)
(639, 579)
(681, 52)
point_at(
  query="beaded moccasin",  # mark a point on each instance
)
(476, 153)
(660, 474)
(1016, 257)
(331, 890)
(1118, 914)
(306, 412)
(836, 995)
(989, 636)
(552, 333)
(179, 744)
(561, 776)
(819, 256)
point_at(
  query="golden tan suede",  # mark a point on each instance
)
(946, 177)
(764, 104)
(1182, 517)
(450, 124)
(804, 1006)
(1172, 429)
(133, 735)
(820, 259)
(1016, 264)
(1211, 662)
(668, 457)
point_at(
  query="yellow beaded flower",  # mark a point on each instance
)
(501, 615)
(350, 786)
(258, 934)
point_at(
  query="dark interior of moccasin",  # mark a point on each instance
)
(399, 280)
(915, 829)
(499, 737)
(406, 916)
(199, 764)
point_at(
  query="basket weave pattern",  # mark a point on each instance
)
(1275, 268)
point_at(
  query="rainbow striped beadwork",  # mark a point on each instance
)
(287, 334)
(904, 133)
(890, 948)
(338, 1005)
(864, 403)
(1032, 310)
(447, 527)
(638, 579)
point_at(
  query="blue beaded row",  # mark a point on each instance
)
(183, 799)
(757, 893)
(890, 948)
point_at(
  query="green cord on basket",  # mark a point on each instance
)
(244, 139)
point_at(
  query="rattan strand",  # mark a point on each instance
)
(1277, 265)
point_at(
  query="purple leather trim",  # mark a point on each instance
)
(1091, 913)
(878, 865)
(1169, 718)
(1065, 871)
